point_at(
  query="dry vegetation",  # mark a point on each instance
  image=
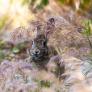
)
(70, 35)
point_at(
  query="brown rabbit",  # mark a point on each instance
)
(40, 52)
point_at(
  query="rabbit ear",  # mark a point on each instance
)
(55, 23)
(37, 27)
(50, 26)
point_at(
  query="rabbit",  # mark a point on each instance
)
(40, 52)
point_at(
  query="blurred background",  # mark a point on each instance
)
(14, 13)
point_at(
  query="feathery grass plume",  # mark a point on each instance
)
(19, 35)
(37, 27)
(59, 22)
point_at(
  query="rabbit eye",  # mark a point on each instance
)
(44, 43)
(51, 20)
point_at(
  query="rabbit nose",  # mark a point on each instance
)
(37, 51)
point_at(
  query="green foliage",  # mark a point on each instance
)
(88, 30)
(66, 1)
(44, 2)
(83, 4)
(15, 50)
(2, 43)
(2, 55)
(62, 1)
(40, 5)
(45, 83)
(18, 48)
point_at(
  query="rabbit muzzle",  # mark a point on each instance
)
(39, 54)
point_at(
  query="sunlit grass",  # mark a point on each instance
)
(77, 4)
(3, 21)
(16, 11)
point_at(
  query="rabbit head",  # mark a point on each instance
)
(39, 49)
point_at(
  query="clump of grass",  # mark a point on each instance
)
(88, 33)
(88, 30)
(2, 55)
(18, 48)
(43, 83)
(77, 4)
